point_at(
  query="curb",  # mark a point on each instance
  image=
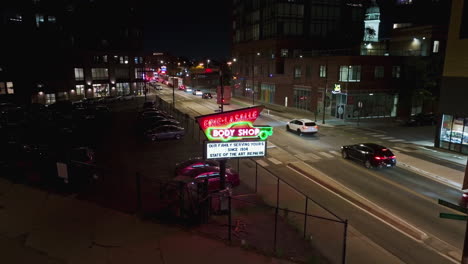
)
(373, 209)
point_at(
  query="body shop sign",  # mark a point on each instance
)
(234, 125)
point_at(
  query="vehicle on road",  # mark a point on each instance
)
(207, 96)
(188, 89)
(428, 119)
(197, 92)
(158, 87)
(181, 87)
(165, 132)
(212, 174)
(302, 126)
(370, 154)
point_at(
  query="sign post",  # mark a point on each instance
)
(458, 217)
(359, 105)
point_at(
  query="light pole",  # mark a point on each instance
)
(253, 76)
(325, 92)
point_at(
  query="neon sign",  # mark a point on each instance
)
(234, 125)
(238, 131)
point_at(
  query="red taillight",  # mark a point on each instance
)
(304, 127)
(316, 127)
(392, 157)
(377, 158)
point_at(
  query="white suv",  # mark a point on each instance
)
(302, 126)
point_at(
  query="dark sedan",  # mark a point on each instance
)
(372, 155)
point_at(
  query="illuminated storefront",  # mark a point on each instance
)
(454, 133)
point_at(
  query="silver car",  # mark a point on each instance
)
(302, 126)
(165, 132)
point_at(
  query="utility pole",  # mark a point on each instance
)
(222, 163)
(325, 92)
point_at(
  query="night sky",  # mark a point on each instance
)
(198, 29)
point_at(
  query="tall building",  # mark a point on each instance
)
(453, 128)
(372, 23)
(58, 50)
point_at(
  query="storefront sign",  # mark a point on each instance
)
(336, 88)
(228, 119)
(238, 149)
(238, 131)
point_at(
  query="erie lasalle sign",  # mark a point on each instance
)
(222, 129)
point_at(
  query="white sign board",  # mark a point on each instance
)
(235, 149)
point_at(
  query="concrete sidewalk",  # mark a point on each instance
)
(39, 227)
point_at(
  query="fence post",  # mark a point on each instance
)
(276, 227)
(138, 192)
(345, 235)
(229, 219)
(256, 175)
(305, 216)
(277, 192)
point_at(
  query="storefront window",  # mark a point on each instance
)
(302, 98)
(445, 131)
(465, 138)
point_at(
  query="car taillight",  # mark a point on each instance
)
(377, 158)
(316, 127)
(304, 127)
(392, 157)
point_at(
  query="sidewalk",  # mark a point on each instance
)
(39, 227)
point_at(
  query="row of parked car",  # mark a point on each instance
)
(154, 124)
(34, 138)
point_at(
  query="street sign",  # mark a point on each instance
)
(336, 89)
(235, 149)
(453, 216)
(453, 206)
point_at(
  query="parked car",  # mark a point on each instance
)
(302, 126)
(185, 167)
(152, 123)
(165, 132)
(421, 119)
(212, 174)
(372, 155)
(158, 87)
(188, 89)
(182, 87)
(197, 92)
(207, 96)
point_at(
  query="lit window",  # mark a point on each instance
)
(351, 73)
(396, 72)
(435, 48)
(50, 98)
(323, 71)
(99, 73)
(51, 19)
(379, 72)
(79, 74)
(297, 72)
(79, 89)
(284, 52)
(2, 88)
(39, 19)
(16, 18)
(10, 89)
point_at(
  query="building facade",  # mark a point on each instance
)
(453, 127)
(59, 50)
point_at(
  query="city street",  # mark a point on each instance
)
(399, 191)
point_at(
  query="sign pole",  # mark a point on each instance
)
(222, 163)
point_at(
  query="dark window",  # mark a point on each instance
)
(464, 21)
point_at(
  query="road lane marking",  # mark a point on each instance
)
(401, 149)
(334, 152)
(396, 140)
(275, 161)
(388, 138)
(313, 156)
(301, 156)
(379, 135)
(262, 163)
(325, 154)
